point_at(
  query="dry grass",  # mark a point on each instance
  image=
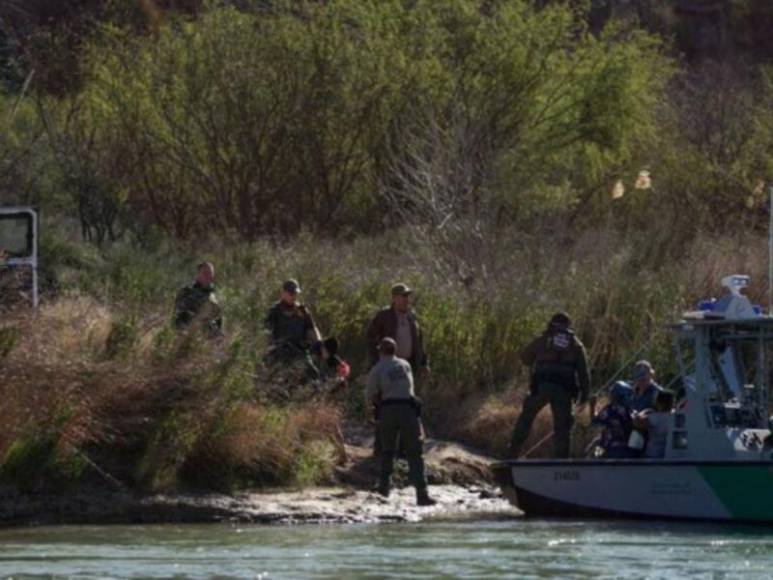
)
(264, 445)
(168, 415)
(486, 422)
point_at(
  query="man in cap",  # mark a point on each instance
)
(390, 384)
(399, 323)
(198, 304)
(292, 330)
(645, 389)
(559, 376)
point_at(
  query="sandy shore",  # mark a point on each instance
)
(459, 480)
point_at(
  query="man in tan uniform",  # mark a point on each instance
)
(390, 386)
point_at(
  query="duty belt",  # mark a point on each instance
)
(388, 402)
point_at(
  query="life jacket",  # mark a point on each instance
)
(556, 360)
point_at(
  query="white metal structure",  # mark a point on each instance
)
(19, 242)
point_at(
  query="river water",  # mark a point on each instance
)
(511, 548)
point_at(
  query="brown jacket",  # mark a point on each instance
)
(384, 325)
(559, 358)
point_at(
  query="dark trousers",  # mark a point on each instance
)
(395, 421)
(377, 438)
(560, 402)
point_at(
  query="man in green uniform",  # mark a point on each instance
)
(390, 385)
(198, 304)
(292, 331)
(559, 376)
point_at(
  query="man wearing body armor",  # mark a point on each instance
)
(559, 376)
(292, 331)
(198, 304)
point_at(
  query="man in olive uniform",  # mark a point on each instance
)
(559, 376)
(390, 385)
(198, 304)
(292, 331)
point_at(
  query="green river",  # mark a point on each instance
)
(514, 548)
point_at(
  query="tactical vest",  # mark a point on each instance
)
(556, 361)
(290, 326)
(196, 301)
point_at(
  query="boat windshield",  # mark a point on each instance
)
(15, 235)
(740, 358)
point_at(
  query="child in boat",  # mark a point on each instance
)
(615, 419)
(656, 424)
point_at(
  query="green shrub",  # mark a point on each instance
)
(36, 459)
(9, 338)
(314, 464)
(123, 337)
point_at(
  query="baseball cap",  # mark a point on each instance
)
(561, 319)
(401, 290)
(641, 369)
(292, 286)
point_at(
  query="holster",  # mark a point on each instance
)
(417, 404)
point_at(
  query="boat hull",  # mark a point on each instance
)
(642, 489)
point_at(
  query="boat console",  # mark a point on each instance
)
(725, 354)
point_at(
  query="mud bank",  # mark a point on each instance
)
(459, 480)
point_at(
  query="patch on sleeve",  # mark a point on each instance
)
(561, 340)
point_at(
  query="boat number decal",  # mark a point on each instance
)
(566, 476)
(672, 488)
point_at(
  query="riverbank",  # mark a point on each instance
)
(459, 480)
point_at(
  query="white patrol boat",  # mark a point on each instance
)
(718, 463)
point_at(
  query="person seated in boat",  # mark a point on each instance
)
(655, 424)
(615, 419)
(645, 389)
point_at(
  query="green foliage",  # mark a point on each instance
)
(9, 338)
(256, 123)
(37, 459)
(122, 337)
(26, 461)
(167, 449)
(314, 464)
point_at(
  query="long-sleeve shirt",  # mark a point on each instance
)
(390, 379)
(387, 324)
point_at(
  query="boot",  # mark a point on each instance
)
(423, 499)
(383, 489)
